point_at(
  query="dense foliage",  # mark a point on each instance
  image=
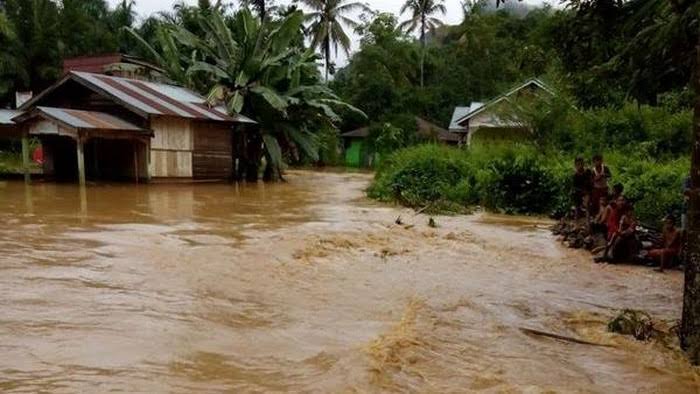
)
(519, 179)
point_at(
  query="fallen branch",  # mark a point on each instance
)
(530, 331)
(418, 212)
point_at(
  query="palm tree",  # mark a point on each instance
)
(421, 18)
(328, 18)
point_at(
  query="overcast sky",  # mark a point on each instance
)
(453, 16)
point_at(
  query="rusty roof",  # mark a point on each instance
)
(359, 133)
(82, 120)
(147, 98)
(424, 128)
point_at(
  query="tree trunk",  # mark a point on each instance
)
(422, 53)
(254, 156)
(327, 55)
(690, 323)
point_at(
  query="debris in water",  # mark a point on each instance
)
(561, 337)
(432, 223)
(398, 220)
(633, 322)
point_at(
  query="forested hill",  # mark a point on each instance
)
(593, 54)
(591, 50)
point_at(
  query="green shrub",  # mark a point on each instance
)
(655, 188)
(418, 176)
(519, 179)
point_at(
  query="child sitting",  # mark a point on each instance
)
(671, 247)
(622, 243)
(599, 224)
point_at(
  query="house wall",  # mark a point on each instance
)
(171, 148)
(212, 156)
(183, 148)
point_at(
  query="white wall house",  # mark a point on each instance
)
(487, 120)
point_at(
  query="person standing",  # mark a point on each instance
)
(582, 183)
(601, 177)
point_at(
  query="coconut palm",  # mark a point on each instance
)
(422, 20)
(328, 18)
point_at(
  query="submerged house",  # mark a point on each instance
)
(486, 122)
(98, 126)
(359, 151)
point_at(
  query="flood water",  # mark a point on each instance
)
(308, 287)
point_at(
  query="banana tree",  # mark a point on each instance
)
(258, 68)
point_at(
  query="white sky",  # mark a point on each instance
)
(453, 16)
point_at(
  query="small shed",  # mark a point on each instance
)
(355, 147)
(486, 119)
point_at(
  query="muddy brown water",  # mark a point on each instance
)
(308, 287)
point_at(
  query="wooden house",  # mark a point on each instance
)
(97, 126)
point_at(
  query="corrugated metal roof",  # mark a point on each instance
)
(358, 133)
(6, 116)
(86, 119)
(146, 98)
(458, 114)
(473, 111)
(154, 98)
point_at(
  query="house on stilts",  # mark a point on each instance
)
(94, 126)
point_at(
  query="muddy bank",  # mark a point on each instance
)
(307, 286)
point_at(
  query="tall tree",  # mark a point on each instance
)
(31, 58)
(422, 19)
(260, 6)
(123, 16)
(328, 18)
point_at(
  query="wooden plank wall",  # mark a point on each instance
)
(171, 148)
(212, 156)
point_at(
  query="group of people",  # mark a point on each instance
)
(610, 214)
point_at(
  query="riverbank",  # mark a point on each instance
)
(308, 286)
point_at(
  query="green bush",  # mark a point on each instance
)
(519, 179)
(655, 188)
(419, 175)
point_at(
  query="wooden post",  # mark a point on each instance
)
(25, 157)
(79, 144)
(136, 161)
(147, 153)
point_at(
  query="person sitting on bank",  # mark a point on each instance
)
(582, 183)
(601, 176)
(671, 247)
(622, 245)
